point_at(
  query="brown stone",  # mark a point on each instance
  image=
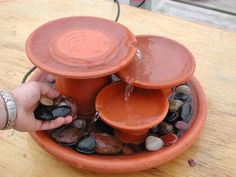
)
(106, 144)
(126, 150)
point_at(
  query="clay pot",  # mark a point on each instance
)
(81, 52)
(83, 90)
(161, 63)
(136, 162)
(131, 117)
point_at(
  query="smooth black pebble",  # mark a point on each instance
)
(186, 112)
(61, 111)
(43, 113)
(86, 145)
(172, 117)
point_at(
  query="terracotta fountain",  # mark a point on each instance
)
(83, 52)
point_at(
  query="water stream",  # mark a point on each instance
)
(139, 54)
(92, 123)
(128, 90)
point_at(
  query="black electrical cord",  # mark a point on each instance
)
(118, 10)
(33, 68)
(27, 74)
(141, 3)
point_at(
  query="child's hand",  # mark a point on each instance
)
(27, 98)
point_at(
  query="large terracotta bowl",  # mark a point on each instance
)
(132, 163)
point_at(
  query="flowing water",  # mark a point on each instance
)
(129, 87)
(139, 54)
(128, 90)
(92, 123)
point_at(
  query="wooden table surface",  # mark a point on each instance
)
(215, 54)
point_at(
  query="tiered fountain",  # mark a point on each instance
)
(82, 53)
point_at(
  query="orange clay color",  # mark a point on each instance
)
(134, 115)
(81, 52)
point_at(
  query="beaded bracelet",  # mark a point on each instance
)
(10, 107)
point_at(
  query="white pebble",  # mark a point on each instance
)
(153, 143)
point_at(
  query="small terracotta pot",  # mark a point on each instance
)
(133, 116)
(83, 90)
(132, 163)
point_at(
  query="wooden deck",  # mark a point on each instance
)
(219, 13)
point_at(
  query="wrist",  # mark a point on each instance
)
(3, 114)
(10, 109)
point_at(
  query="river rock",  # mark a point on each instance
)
(86, 145)
(181, 125)
(61, 111)
(182, 97)
(186, 112)
(153, 143)
(175, 105)
(43, 113)
(46, 101)
(165, 128)
(172, 117)
(126, 150)
(78, 123)
(169, 139)
(106, 144)
(183, 89)
(67, 135)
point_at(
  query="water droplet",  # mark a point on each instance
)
(92, 123)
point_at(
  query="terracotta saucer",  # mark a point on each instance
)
(143, 108)
(132, 116)
(159, 63)
(132, 163)
(81, 47)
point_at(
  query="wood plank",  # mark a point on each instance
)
(226, 6)
(215, 53)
